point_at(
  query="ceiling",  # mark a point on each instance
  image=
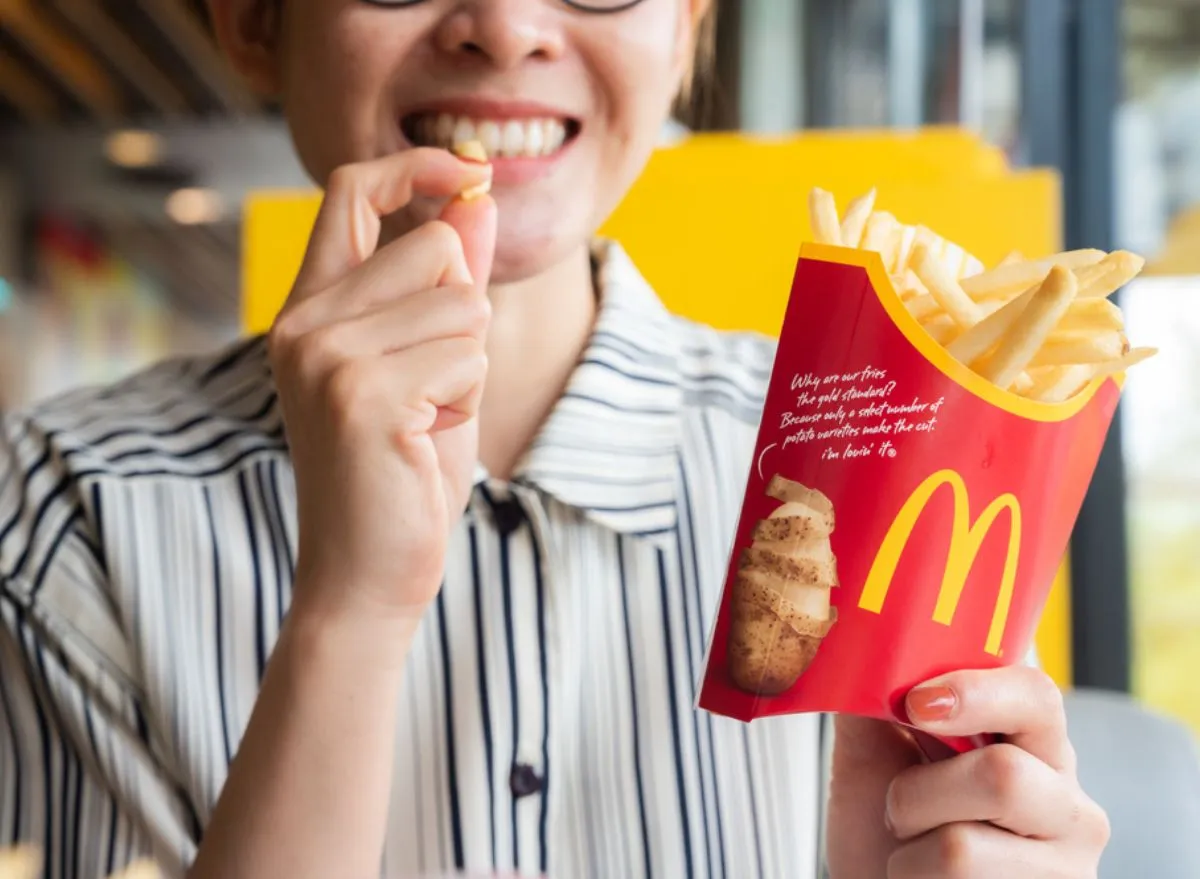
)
(113, 62)
(73, 70)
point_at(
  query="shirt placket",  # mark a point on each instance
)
(523, 529)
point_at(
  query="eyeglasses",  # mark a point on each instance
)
(602, 7)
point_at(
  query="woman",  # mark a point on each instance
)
(509, 688)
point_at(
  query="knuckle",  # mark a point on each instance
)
(341, 178)
(441, 236)
(349, 390)
(1097, 826)
(1002, 772)
(896, 802)
(955, 851)
(476, 308)
(318, 351)
(1045, 693)
(281, 338)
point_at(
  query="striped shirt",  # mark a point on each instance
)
(147, 544)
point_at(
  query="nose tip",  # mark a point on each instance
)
(502, 32)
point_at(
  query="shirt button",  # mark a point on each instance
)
(509, 515)
(524, 780)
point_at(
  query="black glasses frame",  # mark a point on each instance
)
(579, 5)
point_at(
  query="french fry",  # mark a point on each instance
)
(893, 250)
(923, 307)
(1098, 315)
(945, 288)
(1012, 280)
(1011, 260)
(984, 336)
(1133, 358)
(878, 232)
(908, 285)
(1109, 275)
(21, 862)
(1069, 348)
(1057, 384)
(473, 151)
(854, 224)
(942, 328)
(1031, 330)
(827, 228)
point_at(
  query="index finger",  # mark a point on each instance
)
(1020, 703)
(358, 196)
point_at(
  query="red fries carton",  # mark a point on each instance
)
(903, 517)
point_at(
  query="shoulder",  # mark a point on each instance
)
(183, 415)
(184, 418)
(724, 371)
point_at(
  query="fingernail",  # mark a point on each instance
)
(932, 704)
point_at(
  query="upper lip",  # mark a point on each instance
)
(490, 108)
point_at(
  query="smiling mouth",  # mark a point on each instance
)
(532, 138)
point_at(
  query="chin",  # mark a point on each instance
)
(531, 249)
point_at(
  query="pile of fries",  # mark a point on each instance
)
(25, 862)
(1044, 329)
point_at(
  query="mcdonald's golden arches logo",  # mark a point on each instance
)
(966, 538)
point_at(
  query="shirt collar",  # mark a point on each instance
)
(610, 446)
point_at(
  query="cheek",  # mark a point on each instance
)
(331, 88)
(639, 87)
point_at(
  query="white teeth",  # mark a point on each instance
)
(489, 135)
(509, 138)
(556, 133)
(512, 139)
(464, 130)
(535, 139)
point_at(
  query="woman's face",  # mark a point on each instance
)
(568, 103)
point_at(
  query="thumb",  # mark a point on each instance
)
(475, 222)
(867, 755)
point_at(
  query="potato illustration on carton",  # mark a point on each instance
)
(781, 608)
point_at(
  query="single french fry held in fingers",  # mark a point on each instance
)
(1031, 330)
(473, 151)
(855, 222)
(827, 228)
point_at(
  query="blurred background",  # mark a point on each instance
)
(127, 149)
